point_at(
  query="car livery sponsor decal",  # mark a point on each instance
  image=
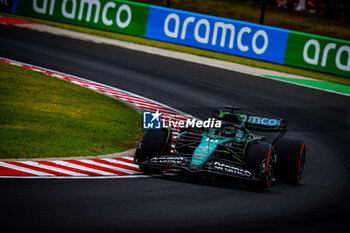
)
(257, 120)
(230, 169)
(167, 160)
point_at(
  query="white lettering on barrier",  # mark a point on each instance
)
(342, 49)
(266, 42)
(90, 3)
(328, 47)
(122, 8)
(69, 9)
(174, 33)
(5, 2)
(242, 47)
(325, 53)
(69, 15)
(107, 22)
(184, 28)
(205, 39)
(52, 7)
(314, 60)
(38, 9)
(225, 28)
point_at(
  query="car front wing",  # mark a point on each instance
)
(215, 166)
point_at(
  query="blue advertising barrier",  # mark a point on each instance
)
(217, 34)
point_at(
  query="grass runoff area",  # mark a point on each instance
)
(42, 116)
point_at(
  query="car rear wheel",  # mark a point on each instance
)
(290, 160)
(155, 142)
(258, 159)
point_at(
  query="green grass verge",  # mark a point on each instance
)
(191, 50)
(41, 117)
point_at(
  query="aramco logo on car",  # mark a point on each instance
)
(155, 120)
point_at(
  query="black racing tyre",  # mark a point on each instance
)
(155, 142)
(258, 160)
(290, 160)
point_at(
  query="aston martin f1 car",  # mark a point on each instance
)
(231, 150)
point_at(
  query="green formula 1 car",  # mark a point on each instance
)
(229, 150)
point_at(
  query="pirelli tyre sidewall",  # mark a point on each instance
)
(155, 142)
(290, 160)
(259, 160)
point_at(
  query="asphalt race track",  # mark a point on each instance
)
(183, 204)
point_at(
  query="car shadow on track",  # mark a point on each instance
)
(209, 180)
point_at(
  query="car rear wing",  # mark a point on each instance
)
(252, 122)
(260, 123)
